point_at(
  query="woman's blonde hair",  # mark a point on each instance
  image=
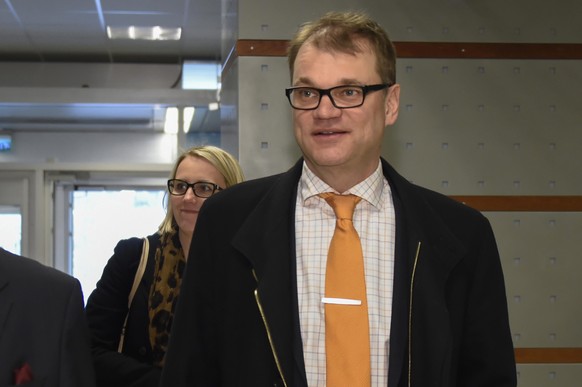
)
(226, 164)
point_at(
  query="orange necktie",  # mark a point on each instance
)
(347, 337)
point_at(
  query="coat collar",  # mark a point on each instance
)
(265, 236)
(419, 218)
(266, 239)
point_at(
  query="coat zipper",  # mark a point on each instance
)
(269, 336)
(410, 316)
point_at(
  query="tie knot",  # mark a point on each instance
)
(343, 205)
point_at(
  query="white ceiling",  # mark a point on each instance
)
(74, 31)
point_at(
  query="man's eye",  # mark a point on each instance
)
(308, 93)
(181, 186)
(350, 92)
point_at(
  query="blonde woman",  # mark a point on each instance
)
(198, 173)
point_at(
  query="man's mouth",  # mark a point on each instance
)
(328, 132)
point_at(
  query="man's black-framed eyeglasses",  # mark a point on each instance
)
(202, 189)
(342, 97)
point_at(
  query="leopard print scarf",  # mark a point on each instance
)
(169, 268)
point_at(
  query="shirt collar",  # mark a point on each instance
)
(370, 189)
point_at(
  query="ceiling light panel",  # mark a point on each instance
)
(144, 33)
(151, 6)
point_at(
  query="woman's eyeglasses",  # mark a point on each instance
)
(202, 189)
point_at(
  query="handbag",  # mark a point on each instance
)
(138, 276)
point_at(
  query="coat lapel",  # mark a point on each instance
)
(267, 240)
(418, 227)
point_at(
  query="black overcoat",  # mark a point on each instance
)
(237, 319)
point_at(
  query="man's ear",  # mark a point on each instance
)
(392, 104)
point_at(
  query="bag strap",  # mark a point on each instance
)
(136, 281)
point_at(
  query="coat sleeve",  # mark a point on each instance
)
(106, 310)
(459, 316)
(487, 356)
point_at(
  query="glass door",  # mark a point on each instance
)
(93, 211)
(14, 194)
(11, 226)
(101, 218)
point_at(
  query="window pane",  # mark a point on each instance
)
(11, 226)
(101, 219)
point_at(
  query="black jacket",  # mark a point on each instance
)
(42, 324)
(237, 321)
(106, 310)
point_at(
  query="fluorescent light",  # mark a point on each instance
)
(157, 33)
(213, 106)
(172, 119)
(144, 33)
(171, 123)
(188, 116)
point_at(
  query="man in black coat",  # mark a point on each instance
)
(44, 340)
(253, 306)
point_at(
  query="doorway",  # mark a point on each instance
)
(101, 218)
(11, 226)
(14, 202)
(94, 211)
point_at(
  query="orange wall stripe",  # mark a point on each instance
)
(488, 50)
(548, 355)
(523, 203)
(439, 50)
(246, 47)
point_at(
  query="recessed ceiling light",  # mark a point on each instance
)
(172, 119)
(144, 33)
